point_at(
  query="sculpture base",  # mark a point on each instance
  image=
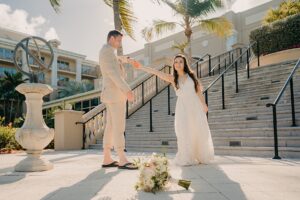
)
(33, 163)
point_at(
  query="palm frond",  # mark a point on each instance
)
(220, 26)
(108, 2)
(56, 5)
(157, 28)
(127, 17)
(198, 8)
(177, 6)
(180, 46)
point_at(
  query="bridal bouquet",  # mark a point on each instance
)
(154, 174)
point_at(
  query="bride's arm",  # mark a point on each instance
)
(164, 76)
(201, 97)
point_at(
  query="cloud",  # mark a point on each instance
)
(19, 20)
(51, 34)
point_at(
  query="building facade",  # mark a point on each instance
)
(67, 66)
(202, 42)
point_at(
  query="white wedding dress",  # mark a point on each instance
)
(194, 140)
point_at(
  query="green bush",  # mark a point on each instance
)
(7, 138)
(280, 35)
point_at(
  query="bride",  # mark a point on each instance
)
(194, 140)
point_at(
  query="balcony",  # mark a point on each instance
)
(89, 72)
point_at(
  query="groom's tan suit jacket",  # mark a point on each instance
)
(114, 86)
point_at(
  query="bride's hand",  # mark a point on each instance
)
(136, 64)
(205, 108)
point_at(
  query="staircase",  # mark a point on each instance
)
(244, 128)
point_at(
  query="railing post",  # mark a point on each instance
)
(236, 78)
(143, 98)
(258, 53)
(248, 66)
(169, 101)
(151, 127)
(206, 100)
(197, 69)
(127, 115)
(156, 84)
(223, 92)
(241, 54)
(225, 64)
(200, 71)
(275, 133)
(292, 102)
(209, 64)
(229, 58)
(219, 65)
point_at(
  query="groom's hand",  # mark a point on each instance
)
(134, 63)
(130, 96)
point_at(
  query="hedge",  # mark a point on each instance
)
(278, 36)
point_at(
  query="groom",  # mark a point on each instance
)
(115, 93)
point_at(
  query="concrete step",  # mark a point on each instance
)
(284, 152)
(249, 132)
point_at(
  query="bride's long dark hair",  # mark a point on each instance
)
(187, 70)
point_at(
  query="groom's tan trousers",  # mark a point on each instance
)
(115, 126)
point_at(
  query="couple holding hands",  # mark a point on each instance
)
(194, 140)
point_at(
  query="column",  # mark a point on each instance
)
(78, 70)
(54, 70)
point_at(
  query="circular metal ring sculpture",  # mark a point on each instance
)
(32, 46)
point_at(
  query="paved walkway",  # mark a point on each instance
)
(78, 175)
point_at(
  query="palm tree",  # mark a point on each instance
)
(10, 96)
(192, 13)
(123, 17)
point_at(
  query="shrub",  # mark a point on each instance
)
(7, 138)
(280, 35)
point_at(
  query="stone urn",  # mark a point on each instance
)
(34, 135)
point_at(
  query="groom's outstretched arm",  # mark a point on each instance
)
(109, 65)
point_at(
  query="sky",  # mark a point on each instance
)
(82, 25)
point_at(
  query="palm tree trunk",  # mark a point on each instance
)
(189, 49)
(117, 22)
(188, 33)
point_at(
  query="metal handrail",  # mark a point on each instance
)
(210, 85)
(234, 63)
(274, 104)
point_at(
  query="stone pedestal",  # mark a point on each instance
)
(34, 135)
(68, 134)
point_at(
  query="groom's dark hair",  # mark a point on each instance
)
(113, 33)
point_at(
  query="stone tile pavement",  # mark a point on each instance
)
(77, 175)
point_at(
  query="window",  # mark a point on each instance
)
(9, 70)
(33, 62)
(86, 69)
(63, 78)
(6, 53)
(63, 65)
